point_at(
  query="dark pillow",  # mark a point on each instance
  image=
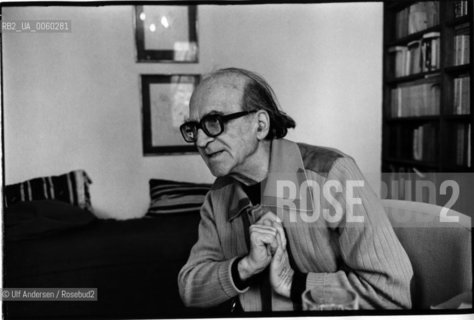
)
(169, 196)
(72, 187)
(34, 219)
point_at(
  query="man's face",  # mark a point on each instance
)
(229, 152)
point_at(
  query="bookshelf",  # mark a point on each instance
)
(428, 63)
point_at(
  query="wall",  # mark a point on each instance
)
(72, 100)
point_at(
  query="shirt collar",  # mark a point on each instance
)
(286, 168)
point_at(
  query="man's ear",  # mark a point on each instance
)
(263, 124)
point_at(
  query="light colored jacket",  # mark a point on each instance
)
(365, 257)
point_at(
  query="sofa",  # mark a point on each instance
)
(134, 265)
(52, 239)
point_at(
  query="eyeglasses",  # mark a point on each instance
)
(211, 124)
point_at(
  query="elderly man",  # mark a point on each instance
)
(264, 235)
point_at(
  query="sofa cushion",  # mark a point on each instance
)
(71, 187)
(169, 196)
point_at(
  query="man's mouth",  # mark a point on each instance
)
(214, 154)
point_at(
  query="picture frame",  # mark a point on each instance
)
(166, 33)
(165, 106)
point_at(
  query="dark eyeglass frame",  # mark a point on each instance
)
(221, 119)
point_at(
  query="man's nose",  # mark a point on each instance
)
(202, 139)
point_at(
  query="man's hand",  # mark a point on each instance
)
(281, 273)
(262, 239)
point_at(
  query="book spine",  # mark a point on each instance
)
(400, 102)
(418, 143)
(457, 9)
(436, 96)
(460, 145)
(457, 105)
(393, 102)
(467, 50)
(457, 49)
(466, 94)
(468, 160)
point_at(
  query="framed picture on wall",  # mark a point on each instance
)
(165, 103)
(166, 33)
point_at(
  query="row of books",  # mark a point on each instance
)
(418, 56)
(417, 17)
(424, 147)
(462, 95)
(463, 145)
(420, 143)
(461, 47)
(460, 8)
(415, 100)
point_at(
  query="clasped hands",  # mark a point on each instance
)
(268, 247)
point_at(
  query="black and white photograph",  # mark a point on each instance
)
(236, 159)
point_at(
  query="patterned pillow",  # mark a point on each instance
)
(169, 196)
(72, 187)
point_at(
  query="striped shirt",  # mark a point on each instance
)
(343, 238)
